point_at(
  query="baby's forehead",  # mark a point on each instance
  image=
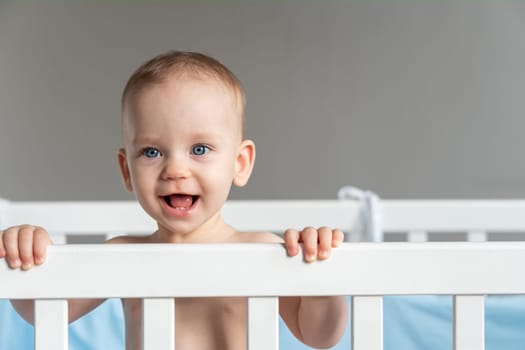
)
(184, 79)
(138, 107)
(188, 81)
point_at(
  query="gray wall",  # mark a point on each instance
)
(410, 99)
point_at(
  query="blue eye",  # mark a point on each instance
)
(200, 150)
(151, 152)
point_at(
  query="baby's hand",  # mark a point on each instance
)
(24, 246)
(317, 243)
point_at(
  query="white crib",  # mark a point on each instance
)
(467, 270)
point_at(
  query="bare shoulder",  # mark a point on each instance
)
(258, 237)
(129, 239)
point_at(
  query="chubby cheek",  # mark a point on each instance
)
(218, 185)
(144, 193)
(142, 181)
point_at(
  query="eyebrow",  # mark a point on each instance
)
(139, 140)
(154, 140)
(206, 135)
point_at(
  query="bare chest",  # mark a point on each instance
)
(201, 323)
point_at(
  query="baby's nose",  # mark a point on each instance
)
(176, 168)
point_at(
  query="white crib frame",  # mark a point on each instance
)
(466, 270)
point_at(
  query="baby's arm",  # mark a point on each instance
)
(24, 247)
(319, 322)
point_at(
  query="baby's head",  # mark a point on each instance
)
(182, 66)
(182, 129)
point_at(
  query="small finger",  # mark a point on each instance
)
(291, 242)
(40, 242)
(337, 237)
(325, 243)
(10, 238)
(25, 247)
(309, 237)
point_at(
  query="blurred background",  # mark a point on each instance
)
(408, 99)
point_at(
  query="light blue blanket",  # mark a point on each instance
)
(410, 323)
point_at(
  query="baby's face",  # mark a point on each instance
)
(182, 140)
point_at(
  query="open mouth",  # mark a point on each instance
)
(181, 201)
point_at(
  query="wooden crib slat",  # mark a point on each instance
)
(263, 323)
(51, 321)
(469, 322)
(158, 324)
(367, 323)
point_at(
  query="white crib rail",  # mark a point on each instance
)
(127, 216)
(417, 217)
(453, 215)
(467, 270)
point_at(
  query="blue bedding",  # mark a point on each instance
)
(410, 323)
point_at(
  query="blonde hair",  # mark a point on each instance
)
(180, 64)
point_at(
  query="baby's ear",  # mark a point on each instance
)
(124, 169)
(244, 163)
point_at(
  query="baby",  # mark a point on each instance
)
(183, 148)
